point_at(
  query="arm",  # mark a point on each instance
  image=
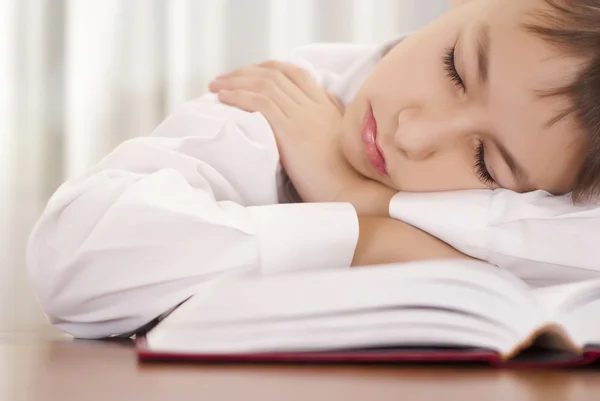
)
(543, 239)
(306, 122)
(161, 216)
(385, 240)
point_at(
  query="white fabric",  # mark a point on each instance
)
(161, 216)
(543, 239)
(77, 78)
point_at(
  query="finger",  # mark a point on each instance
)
(300, 77)
(254, 102)
(260, 86)
(274, 75)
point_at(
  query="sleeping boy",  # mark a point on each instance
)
(328, 160)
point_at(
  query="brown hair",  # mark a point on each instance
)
(574, 27)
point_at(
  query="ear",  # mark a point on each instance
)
(456, 3)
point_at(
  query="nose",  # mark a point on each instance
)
(420, 135)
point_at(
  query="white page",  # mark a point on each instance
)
(473, 287)
(389, 335)
(553, 299)
(333, 291)
(575, 307)
(460, 329)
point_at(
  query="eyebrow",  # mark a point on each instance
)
(483, 52)
(521, 176)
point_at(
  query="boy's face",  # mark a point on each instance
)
(439, 130)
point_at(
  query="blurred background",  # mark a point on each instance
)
(77, 77)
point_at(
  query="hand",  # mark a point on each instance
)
(306, 122)
(383, 240)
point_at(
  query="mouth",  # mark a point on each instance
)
(369, 137)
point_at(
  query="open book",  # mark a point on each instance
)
(426, 311)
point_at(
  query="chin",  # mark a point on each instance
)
(362, 166)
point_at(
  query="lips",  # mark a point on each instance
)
(369, 137)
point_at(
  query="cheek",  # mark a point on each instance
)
(439, 173)
(351, 140)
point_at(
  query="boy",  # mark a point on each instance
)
(492, 95)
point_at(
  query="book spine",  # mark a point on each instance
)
(552, 335)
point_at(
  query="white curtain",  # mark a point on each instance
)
(77, 77)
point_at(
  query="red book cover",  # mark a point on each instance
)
(532, 358)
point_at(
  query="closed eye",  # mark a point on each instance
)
(480, 167)
(450, 67)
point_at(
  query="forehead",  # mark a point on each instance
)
(522, 67)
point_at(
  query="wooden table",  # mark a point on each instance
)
(35, 368)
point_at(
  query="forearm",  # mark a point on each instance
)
(385, 240)
(369, 198)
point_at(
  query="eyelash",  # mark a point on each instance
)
(451, 72)
(482, 171)
(450, 67)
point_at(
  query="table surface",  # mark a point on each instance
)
(38, 368)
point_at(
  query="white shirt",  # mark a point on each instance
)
(203, 198)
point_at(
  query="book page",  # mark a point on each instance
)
(461, 293)
(555, 299)
(573, 307)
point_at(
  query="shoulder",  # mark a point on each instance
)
(333, 57)
(327, 62)
(208, 118)
(341, 67)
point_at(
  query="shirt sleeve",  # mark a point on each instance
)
(164, 217)
(341, 68)
(543, 239)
